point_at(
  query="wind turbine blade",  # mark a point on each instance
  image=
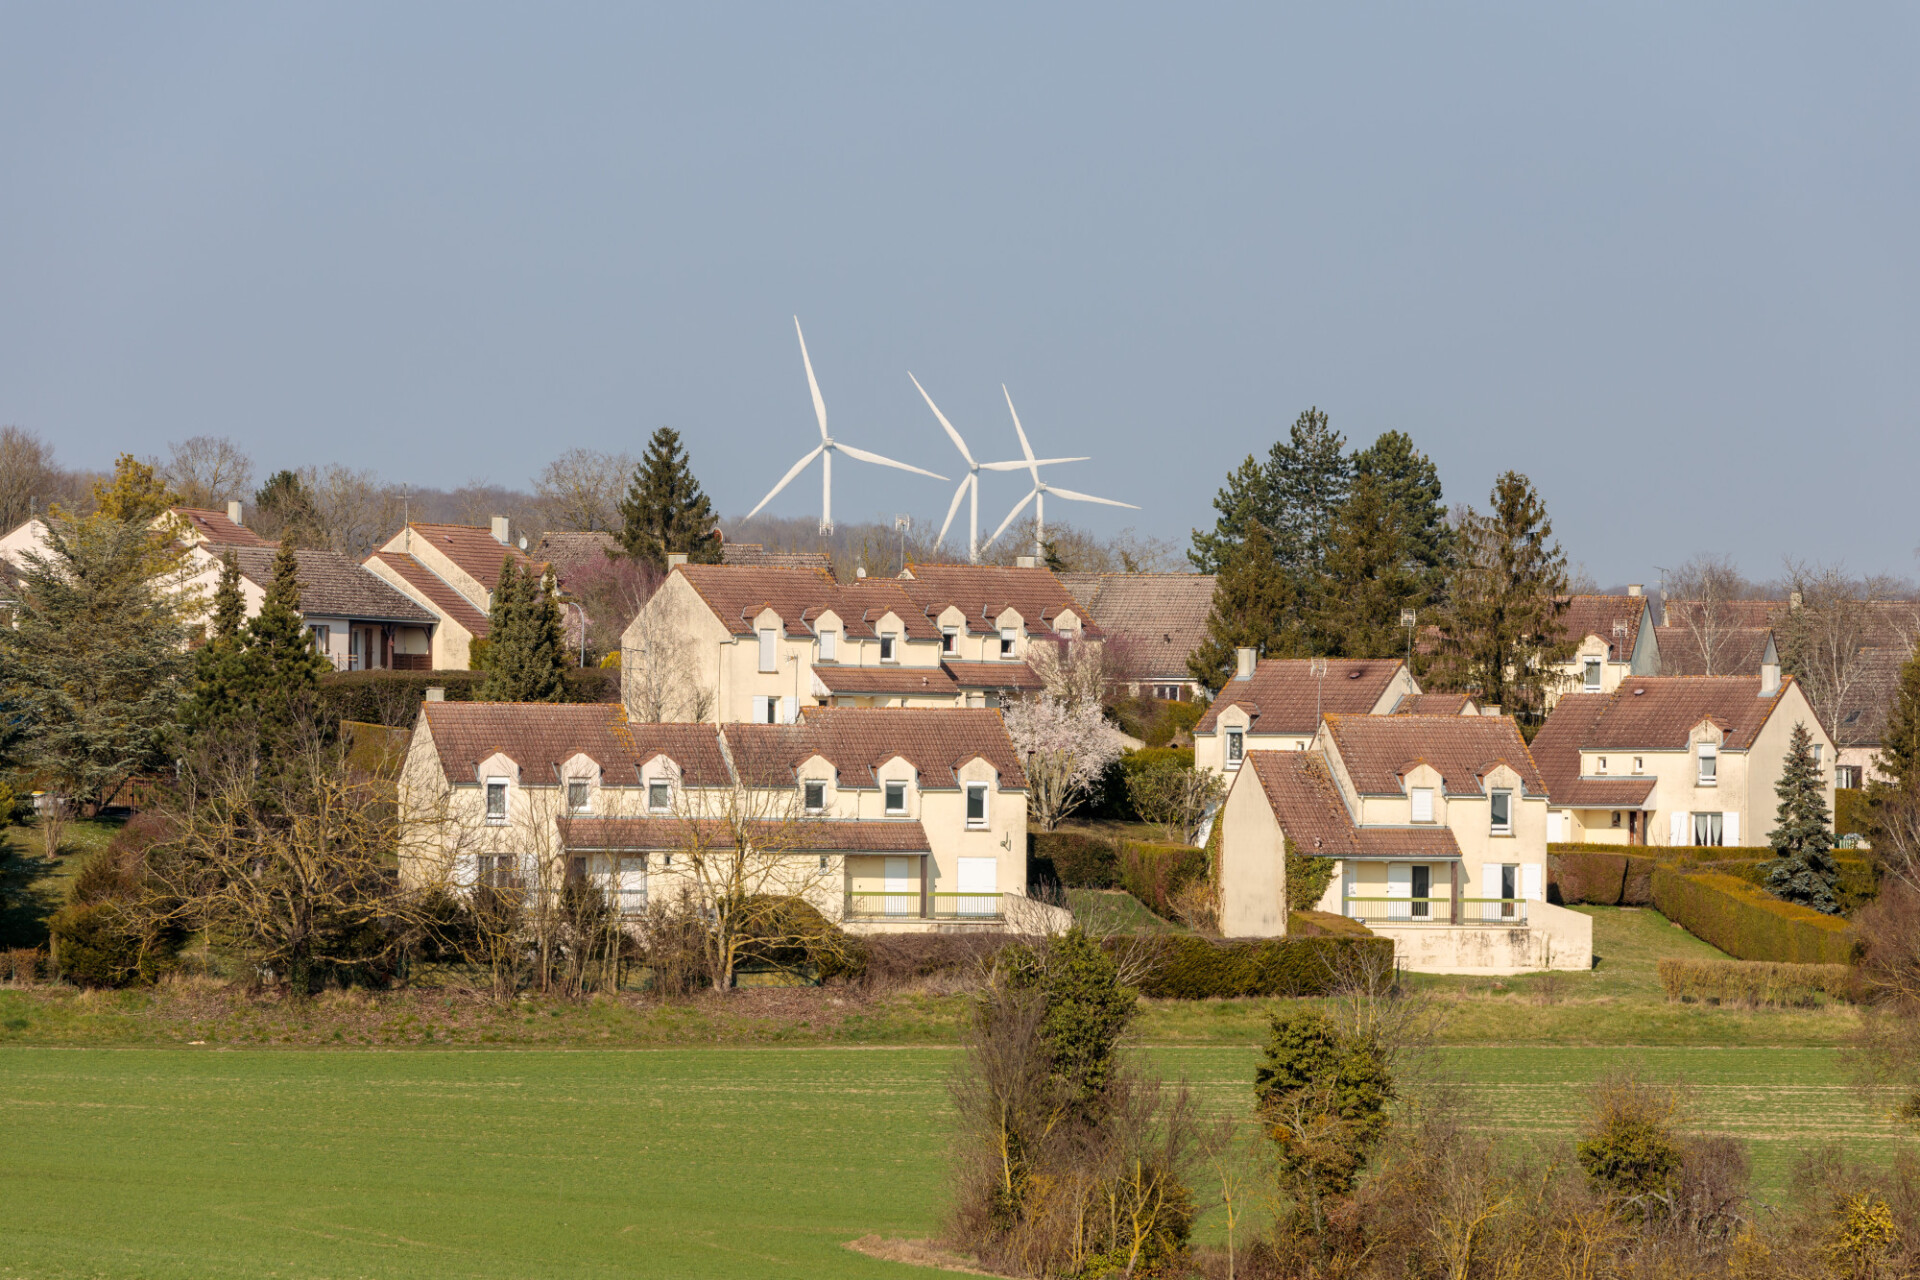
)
(1071, 496)
(953, 508)
(958, 443)
(1021, 466)
(787, 479)
(1032, 464)
(1018, 508)
(819, 405)
(864, 456)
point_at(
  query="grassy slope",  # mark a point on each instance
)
(33, 888)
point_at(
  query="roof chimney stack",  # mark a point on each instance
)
(675, 558)
(1243, 660)
(1635, 589)
(1024, 562)
(234, 512)
(1769, 670)
(500, 530)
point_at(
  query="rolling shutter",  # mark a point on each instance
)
(1556, 827)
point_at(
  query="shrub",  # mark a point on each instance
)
(1858, 881)
(1755, 982)
(1637, 890)
(1078, 860)
(908, 957)
(1851, 813)
(23, 966)
(1746, 923)
(1156, 873)
(1185, 967)
(1587, 877)
(1630, 1150)
(393, 698)
(1319, 924)
(99, 944)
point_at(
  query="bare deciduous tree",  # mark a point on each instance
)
(612, 590)
(28, 480)
(581, 490)
(1699, 596)
(208, 472)
(659, 664)
(357, 510)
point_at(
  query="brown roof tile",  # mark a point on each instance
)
(1163, 616)
(537, 736)
(214, 527)
(1309, 810)
(431, 587)
(1736, 650)
(1655, 713)
(1869, 699)
(1556, 749)
(333, 585)
(925, 682)
(568, 552)
(858, 740)
(982, 592)
(1283, 694)
(478, 553)
(994, 675)
(817, 835)
(1434, 704)
(737, 594)
(1615, 619)
(1378, 751)
(753, 553)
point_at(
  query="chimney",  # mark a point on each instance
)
(234, 512)
(675, 558)
(1635, 589)
(1024, 562)
(1489, 708)
(435, 693)
(1769, 670)
(1243, 660)
(500, 529)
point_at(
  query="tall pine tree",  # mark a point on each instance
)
(218, 700)
(1309, 475)
(526, 651)
(1245, 500)
(1899, 757)
(665, 509)
(1367, 578)
(284, 507)
(1802, 869)
(1411, 484)
(281, 666)
(1254, 607)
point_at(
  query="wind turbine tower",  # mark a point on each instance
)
(970, 483)
(1038, 494)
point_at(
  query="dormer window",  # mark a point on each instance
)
(949, 641)
(1236, 747)
(886, 646)
(1709, 774)
(1422, 798)
(496, 800)
(579, 796)
(896, 793)
(659, 796)
(1500, 812)
(1006, 642)
(815, 796)
(829, 645)
(1592, 680)
(1638, 764)
(1602, 768)
(976, 804)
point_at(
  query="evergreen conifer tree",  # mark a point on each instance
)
(135, 494)
(282, 667)
(1411, 483)
(665, 509)
(1309, 475)
(1367, 578)
(526, 652)
(284, 507)
(1899, 757)
(1802, 869)
(219, 696)
(1246, 499)
(1253, 607)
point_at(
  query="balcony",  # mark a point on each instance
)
(912, 905)
(1507, 912)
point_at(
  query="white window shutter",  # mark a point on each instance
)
(1530, 881)
(1556, 827)
(1677, 828)
(1399, 880)
(979, 875)
(1730, 826)
(789, 710)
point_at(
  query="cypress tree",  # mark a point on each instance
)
(1802, 869)
(665, 509)
(526, 652)
(1254, 604)
(282, 667)
(219, 697)
(1367, 578)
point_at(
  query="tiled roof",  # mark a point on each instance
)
(1379, 750)
(214, 527)
(1283, 694)
(1869, 700)
(434, 589)
(924, 682)
(982, 592)
(1436, 704)
(567, 552)
(1736, 650)
(1655, 713)
(994, 675)
(333, 585)
(753, 553)
(737, 594)
(537, 736)
(1556, 749)
(858, 740)
(478, 553)
(1163, 616)
(1309, 809)
(1615, 619)
(695, 748)
(816, 835)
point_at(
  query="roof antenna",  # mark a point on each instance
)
(1317, 668)
(406, 515)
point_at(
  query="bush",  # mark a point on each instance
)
(1077, 860)
(1113, 799)
(1637, 890)
(1320, 924)
(1755, 982)
(393, 698)
(1858, 882)
(100, 945)
(1851, 814)
(911, 957)
(1185, 967)
(1587, 877)
(23, 966)
(1746, 923)
(1156, 873)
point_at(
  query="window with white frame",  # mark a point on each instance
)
(886, 646)
(815, 795)
(1422, 803)
(659, 796)
(496, 800)
(1236, 747)
(896, 793)
(1006, 642)
(829, 645)
(1602, 765)
(769, 649)
(1709, 774)
(1709, 829)
(1846, 775)
(1638, 764)
(1500, 812)
(579, 795)
(1592, 675)
(949, 641)
(976, 804)
(496, 870)
(1816, 752)
(322, 637)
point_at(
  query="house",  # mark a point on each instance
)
(568, 553)
(450, 570)
(213, 528)
(356, 619)
(1438, 704)
(1674, 760)
(756, 555)
(1275, 704)
(886, 820)
(1157, 619)
(756, 644)
(1612, 638)
(1861, 725)
(1439, 828)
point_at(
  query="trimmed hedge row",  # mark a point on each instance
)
(1598, 877)
(1755, 983)
(1188, 967)
(1851, 814)
(393, 698)
(1857, 885)
(1745, 923)
(1154, 873)
(1075, 859)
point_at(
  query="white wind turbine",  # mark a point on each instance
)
(1038, 494)
(825, 450)
(970, 483)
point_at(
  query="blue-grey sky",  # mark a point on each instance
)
(1660, 258)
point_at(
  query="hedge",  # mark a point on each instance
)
(1315, 924)
(1851, 814)
(1599, 875)
(1155, 873)
(1745, 923)
(1074, 859)
(393, 698)
(1756, 982)
(1189, 967)
(1857, 885)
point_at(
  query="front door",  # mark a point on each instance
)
(1509, 889)
(1422, 890)
(900, 888)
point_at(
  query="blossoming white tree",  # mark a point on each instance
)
(1066, 744)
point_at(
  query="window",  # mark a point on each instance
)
(949, 641)
(1638, 764)
(1708, 829)
(829, 645)
(816, 796)
(1816, 751)
(659, 796)
(1616, 817)
(1501, 808)
(495, 871)
(896, 797)
(1006, 642)
(322, 637)
(1709, 765)
(1846, 775)
(1592, 675)
(1422, 886)
(886, 646)
(766, 709)
(1236, 747)
(769, 649)
(496, 799)
(1603, 764)
(1509, 889)
(579, 796)
(976, 804)
(1422, 804)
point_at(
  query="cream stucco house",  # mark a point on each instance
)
(1439, 825)
(450, 570)
(1275, 704)
(1674, 760)
(1612, 638)
(758, 644)
(886, 820)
